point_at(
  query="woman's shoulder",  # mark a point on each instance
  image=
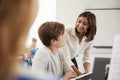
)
(70, 33)
(69, 29)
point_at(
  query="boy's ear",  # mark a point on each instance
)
(53, 41)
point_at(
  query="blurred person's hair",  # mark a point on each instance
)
(16, 17)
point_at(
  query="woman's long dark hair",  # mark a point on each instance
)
(92, 25)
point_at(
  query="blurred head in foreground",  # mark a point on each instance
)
(16, 17)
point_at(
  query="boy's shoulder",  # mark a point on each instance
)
(42, 52)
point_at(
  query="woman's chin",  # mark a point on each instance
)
(80, 31)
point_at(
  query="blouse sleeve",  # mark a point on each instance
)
(87, 53)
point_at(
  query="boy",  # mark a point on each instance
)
(49, 58)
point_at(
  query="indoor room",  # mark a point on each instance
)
(107, 19)
(60, 40)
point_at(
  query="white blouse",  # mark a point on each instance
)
(72, 47)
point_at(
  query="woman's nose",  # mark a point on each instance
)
(80, 25)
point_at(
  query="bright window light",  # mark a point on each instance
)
(46, 12)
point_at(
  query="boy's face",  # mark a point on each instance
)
(60, 41)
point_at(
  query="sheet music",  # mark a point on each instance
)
(114, 72)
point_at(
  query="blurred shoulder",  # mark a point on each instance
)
(33, 75)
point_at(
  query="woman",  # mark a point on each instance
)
(79, 40)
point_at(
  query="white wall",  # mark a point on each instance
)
(68, 10)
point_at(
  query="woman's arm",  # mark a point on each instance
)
(86, 67)
(86, 58)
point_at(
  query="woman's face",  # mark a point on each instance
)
(82, 25)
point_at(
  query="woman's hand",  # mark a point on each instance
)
(76, 70)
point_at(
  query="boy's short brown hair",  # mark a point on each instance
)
(50, 30)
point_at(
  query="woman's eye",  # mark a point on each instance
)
(79, 21)
(85, 23)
